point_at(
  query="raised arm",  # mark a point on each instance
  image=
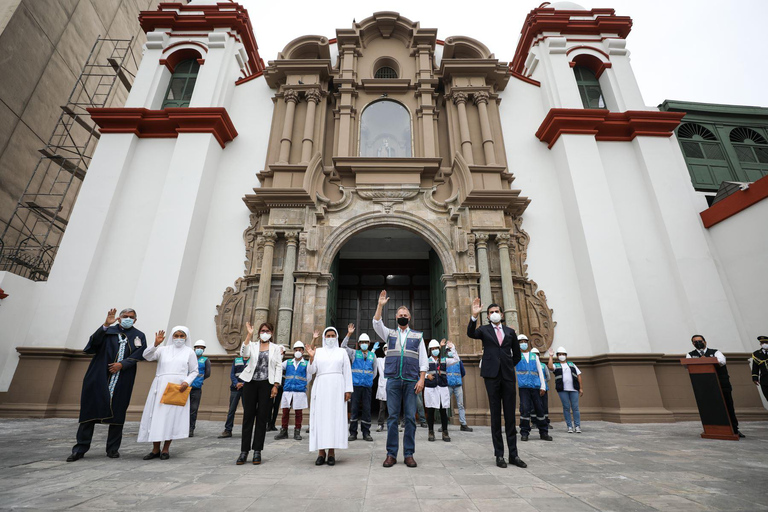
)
(472, 327)
(151, 353)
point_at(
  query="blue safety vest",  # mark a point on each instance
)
(438, 373)
(198, 382)
(453, 372)
(528, 372)
(544, 371)
(402, 362)
(362, 369)
(295, 377)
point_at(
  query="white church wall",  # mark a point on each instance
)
(16, 315)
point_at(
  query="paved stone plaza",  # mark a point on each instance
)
(609, 467)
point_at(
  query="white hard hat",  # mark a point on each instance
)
(363, 337)
(298, 344)
(200, 343)
(522, 337)
(534, 350)
(434, 343)
(561, 350)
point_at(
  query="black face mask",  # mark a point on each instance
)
(699, 345)
(402, 321)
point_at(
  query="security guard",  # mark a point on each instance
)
(760, 365)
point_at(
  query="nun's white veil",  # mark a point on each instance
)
(330, 343)
(182, 328)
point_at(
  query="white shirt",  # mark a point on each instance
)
(719, 355)
(568, 377)
(527, 356)
(383, 332)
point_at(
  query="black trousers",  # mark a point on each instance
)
(502, 393)
(194, 404)
(257, 408)
(276, 407)
(85, 434)
(530, 404)
(431, 418)
(729, 405)
(361, 397)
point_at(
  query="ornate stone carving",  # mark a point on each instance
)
(520, 248)
(481, 240)
(459, 97)
(471, 264)
(540, 325)
(481, 97)
(231, 316)
(250, 237)
(259, 253)
(290, 95)
(314, 95)
(302, 261)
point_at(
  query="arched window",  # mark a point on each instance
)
(750, 146)
(182, 84)
(589, 88)
(385, 130)
(385, 72)
(705, 157)
(698, 142)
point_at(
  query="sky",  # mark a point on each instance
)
(709, 51)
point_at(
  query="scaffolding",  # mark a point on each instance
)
(31, 238)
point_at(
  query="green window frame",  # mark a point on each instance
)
(707, 160)
(182, 84)
(751, 150)
(589, 88)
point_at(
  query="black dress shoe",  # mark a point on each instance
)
(738, 433)
(242, 458)
(431, 436)
(191, 433)
(465, 428)
(352, 437)
(368, 438)
(523, 437)
(75, 456)
(546, 437)
(500, 462)
(113, 455)
(331, 460)
(165, 456)
(320, 460)
(515, 461)
(152, 455)
(272, 428)
(224, 434)
(257, 457)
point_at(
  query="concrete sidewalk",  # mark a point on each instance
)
(610, 466)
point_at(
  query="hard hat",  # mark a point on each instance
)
(534, 350)
(522, 337)
(434, 344)
(363, 337)
(298, 344)
(561, 350)
(200, 343)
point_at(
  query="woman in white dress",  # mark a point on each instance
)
(330, 393)
(177, 364)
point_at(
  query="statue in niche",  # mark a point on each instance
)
(385, 151)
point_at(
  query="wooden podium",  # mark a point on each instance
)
(709, 398)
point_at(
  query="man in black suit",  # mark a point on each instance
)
(501, 353)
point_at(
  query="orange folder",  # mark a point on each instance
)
(173, 395)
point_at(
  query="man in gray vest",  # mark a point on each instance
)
(405, 366)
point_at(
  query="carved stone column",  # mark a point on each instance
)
(313, 98)
(481, 100)
(285, 311)
(485, 273)
(507, 285)
(291, 98)
(265, 280)
(460, 99)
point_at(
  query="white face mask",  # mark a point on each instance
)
(561, 357)
(265, 336)
(495, 317)
(765, 346)
(179, 342)
(298, 354)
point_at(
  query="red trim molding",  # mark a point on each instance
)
(205, 18)
(166, 123)
(248, 78)
(607, 126)
(526, 79)
(173, 60)
(547, 19)
(735, 203)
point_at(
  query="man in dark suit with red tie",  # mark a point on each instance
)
(501, 353)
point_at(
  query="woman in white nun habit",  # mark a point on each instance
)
(177, 364)
(330, 393)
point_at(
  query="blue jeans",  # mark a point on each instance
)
(361, 397)
(400, 393)
(235, 396)
(570, 401)
(459, 392)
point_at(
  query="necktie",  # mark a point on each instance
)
(499, 334)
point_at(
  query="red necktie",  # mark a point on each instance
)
(499, 334)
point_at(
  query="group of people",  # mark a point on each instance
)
(340, 374)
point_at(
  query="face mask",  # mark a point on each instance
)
(561, 357)
(199, 351)
(765, 346)
(449, 354)
(523, 347)
(298, 354)
(179, 342)
(126, 323)
(265, 336)
(495, 317)
(436, 352)
(699, 344)
(363, 347)
(402, 321)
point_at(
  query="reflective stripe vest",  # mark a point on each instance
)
(295, 377)
(722, 371)
(402, 362)
(198, 382)
(362, 369)
(438, 374)
(545, 372)
(559, 376)
(528, 372)
(453, 373)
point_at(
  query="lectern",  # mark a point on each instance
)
(709, 398)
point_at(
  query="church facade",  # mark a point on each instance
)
(229, 190)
